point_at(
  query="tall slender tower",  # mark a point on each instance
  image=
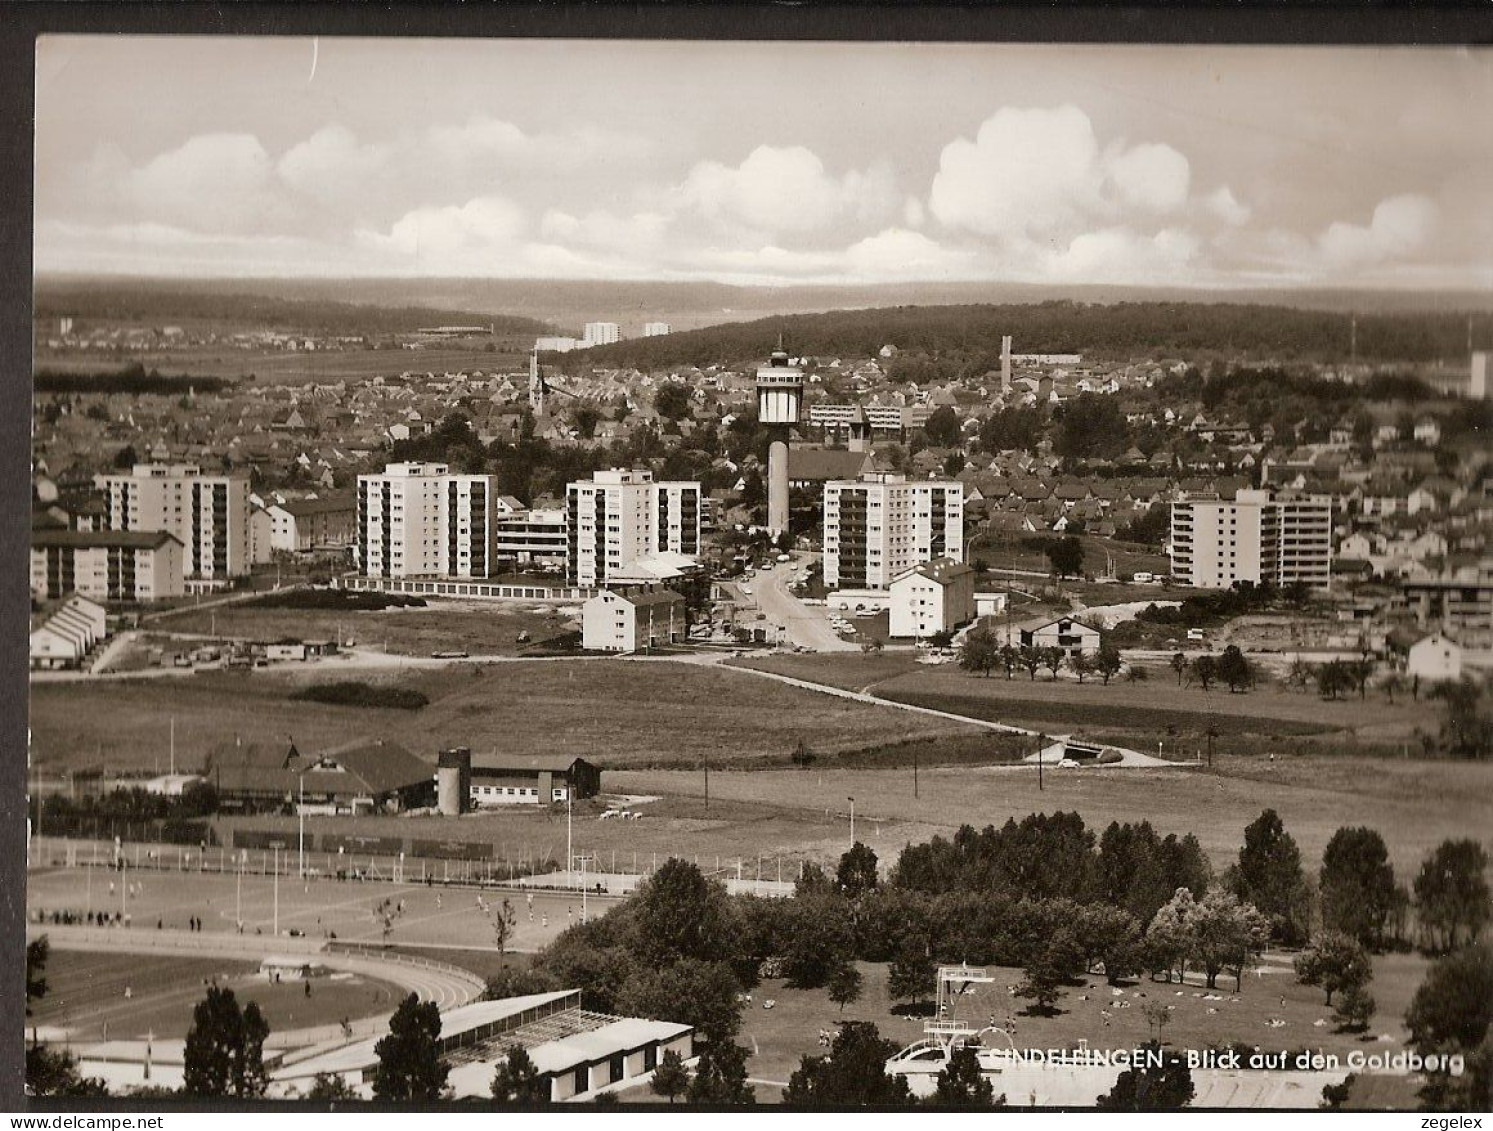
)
(1006, 363)
(780, 394)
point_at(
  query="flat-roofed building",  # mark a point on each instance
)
(423, 520)
(301, 526)
(531, 537)
(620, 515)
(207, 514)
(1458, 605)
(108, 565)
(1255, 538)
(881, 525)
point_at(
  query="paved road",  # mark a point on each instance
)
(807, 625)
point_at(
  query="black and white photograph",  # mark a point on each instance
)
(757, 574)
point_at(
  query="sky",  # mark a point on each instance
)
(765, 163)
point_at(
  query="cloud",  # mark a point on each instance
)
(1400, 226)
(898, 254)
(469, 234)
(212, 181)
(786, 190)
(1120, 255)
(1222, 203)
(605, 230)
(332, 166)
(1152, 177)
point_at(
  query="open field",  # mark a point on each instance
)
(85, 994)
(484, 628)
(1128, 557)
(1157, 707)
(789, 1031)
(611, 712)
(1414, 805)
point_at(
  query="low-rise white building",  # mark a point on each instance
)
(109, 565)
(936, 596)
(1435, 658)
(67, 634)
(630, 622)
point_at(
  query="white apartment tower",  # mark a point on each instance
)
(881, 525)
(601, 334)
(619, 516)
(420, 520)
(655, 329)
(207, 514)
(1252, 539)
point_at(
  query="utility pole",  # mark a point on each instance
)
(1041, 744)
(173, 745)
(276, 929)
(706, 762)
(852, 820)
(301, 813)
(569, 855)
(914, 771)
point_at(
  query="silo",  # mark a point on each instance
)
(453, 781)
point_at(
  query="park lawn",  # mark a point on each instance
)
(846, 670)
(86, 990)
(1155, 705)
(781, 1036)
(1214, 806)
(609, 712)
(483, 628)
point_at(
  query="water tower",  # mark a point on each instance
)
(780, 394)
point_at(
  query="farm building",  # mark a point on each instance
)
(505, 779)
(936, 596)
(633, 621)
(360, 776)
(1434, 659)
(577, 1052)
(1072, 636)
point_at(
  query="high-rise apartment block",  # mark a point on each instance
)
(207, 514)
(655, 329)
(880, 525)
(619, 516)
(420, 520)
(1253, 539)
(601, 334)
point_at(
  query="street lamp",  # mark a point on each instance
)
(852, 820)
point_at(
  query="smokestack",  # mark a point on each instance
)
(1006, 363)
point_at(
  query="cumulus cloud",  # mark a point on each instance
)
(900, 254)
(786, 190)
(1120, 255)
(479, 228)
(1152, 177)
(1223, 204)
(332, 166)
(212, 181)
(1399, 227)
(602, 229)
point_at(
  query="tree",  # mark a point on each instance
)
(687, 991)
(852, 1075)
(1357, 885)
(1226, 935)
(1031, 660)
(409, 1057)
(224, 1053)
(503, 920)
(942, 427)
(1451, 894)
(682, 914)
(961, 1083)
(1355, 1010)
(1169, 935)
(54, 1072)
(721, 1076)
(329, 1086)
(1451, 1013)
(1467, 730)
(812, 880)
(1009, 658)
(1179, 665)
(845, 985)
(1108, 662)
(670, 1078)
(1167, 1087)
(1392, 684)
(1336, 962)
(1065, 556)
(671, 401)
(818, 936)
(857, 872)
(1045, 971)
(1235, 670)
(517, 1081)
(912, 975)
(1081, 665)
(1205, 670)
(978, 651)
(1269, 875)
(1333, 679)
(1301, 674)
(1052, 659)
(38, 951)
